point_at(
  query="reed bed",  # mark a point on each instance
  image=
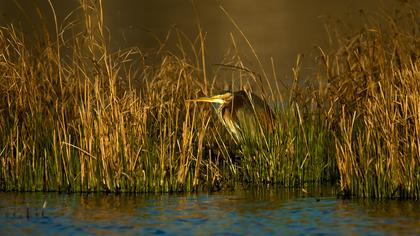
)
(76, 117)
(373, 106)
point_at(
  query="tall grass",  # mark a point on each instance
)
(75, 116)
(373, 105)
(76, 122)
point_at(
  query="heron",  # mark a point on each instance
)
(244, 114)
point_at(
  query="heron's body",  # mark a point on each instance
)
(244, 114)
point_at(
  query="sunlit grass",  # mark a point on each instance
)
(373, 101)
(76, 117)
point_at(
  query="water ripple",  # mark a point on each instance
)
(235, 213)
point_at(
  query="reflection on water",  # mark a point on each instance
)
(256, 211)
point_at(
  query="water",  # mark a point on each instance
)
(250, 212)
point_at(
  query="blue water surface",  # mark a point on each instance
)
(244, 212)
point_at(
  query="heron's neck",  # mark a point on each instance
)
(216, 106)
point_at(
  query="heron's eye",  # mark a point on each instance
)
(227, 96)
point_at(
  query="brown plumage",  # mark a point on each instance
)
(244, 114)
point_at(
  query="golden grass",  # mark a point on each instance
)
(76, 117)
(373, 107)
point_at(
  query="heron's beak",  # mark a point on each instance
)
(214, 99)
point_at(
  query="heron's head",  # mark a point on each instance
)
(216, 100)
